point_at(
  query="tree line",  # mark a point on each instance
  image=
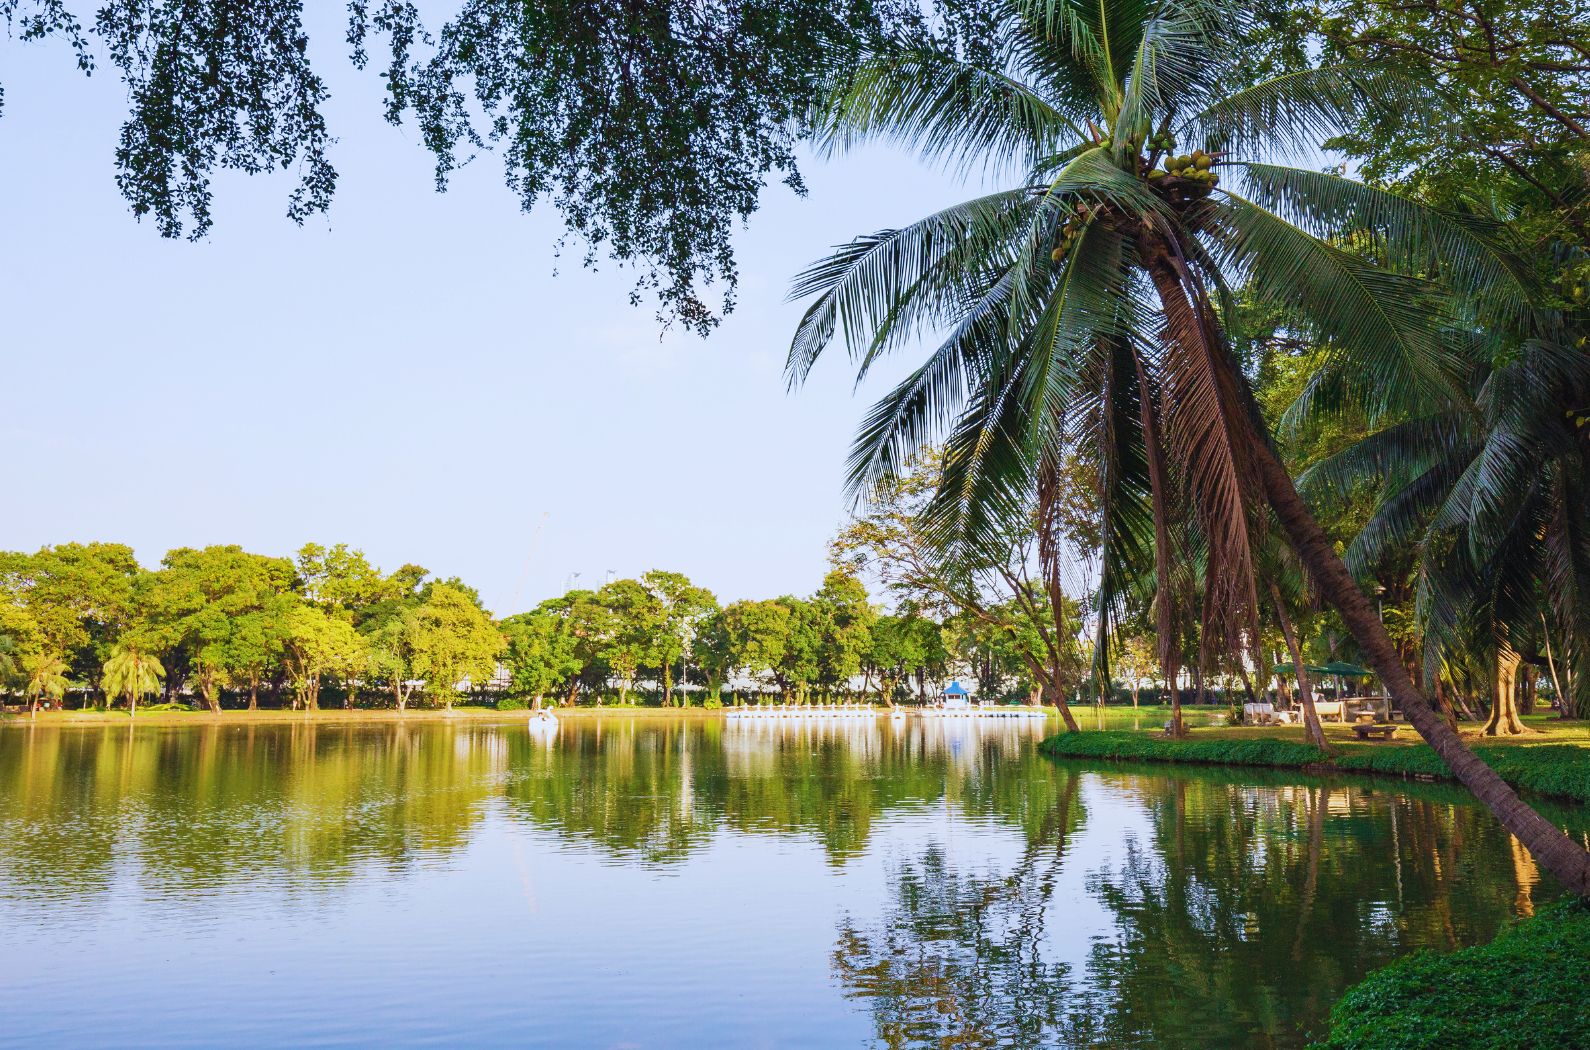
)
(220, 623)
(222, 627)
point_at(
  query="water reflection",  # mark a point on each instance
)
(989, 896)
(1237, 915)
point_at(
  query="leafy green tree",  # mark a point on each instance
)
(800, 657)
(543, 651)
(46, 676)
(340, 579)
(132, 673)
(843, 622)
(78, 598)
(390, 651)
(1522, 75)
(625, 619)
(1084, 298)
(651, 127)
(317, 645)
(681, 608)
(904, 647)
(988, 650)
(748, 637)
(215, 612)
(256, 642)
(453, 641)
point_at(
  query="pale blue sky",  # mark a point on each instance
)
(406, 375)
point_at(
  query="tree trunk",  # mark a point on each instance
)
(1444, 700)
(1247, 686)
(1164, 602)
(253, 691)
(1316, 732)
(1281, 688)
(1504, 706)
(1553, 849)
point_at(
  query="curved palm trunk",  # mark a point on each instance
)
(1553, 849)
(1316, 732)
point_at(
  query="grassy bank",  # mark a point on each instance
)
(1560, 769)
(329, 715)
(1523, 991)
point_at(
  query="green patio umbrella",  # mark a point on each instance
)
(1289, 669)
(1345, 670)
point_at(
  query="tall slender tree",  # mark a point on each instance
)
(1090, 302)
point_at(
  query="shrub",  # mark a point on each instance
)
(511, 703)
(1523, 991)
(1551, 769)
(713, 703)
(1258, 751)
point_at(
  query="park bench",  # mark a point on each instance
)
(1365, 730)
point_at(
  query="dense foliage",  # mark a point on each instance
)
(1522, 991)
(1262, 751)
(651, 126)
(221, 624)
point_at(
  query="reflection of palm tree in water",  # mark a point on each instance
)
(959, 961)
(1238, 923)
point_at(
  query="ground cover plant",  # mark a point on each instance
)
(1558, 770)
(1523, 991)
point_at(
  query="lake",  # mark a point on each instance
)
(636, 881)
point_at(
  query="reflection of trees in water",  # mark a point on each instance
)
(958, 960)
(656, 792)
(1239, 923)
(194, 807)
(204, 805)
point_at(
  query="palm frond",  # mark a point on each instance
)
(1471, 255)
(1379, 325)
(1294, 112)
(941, 108)
(880, 289)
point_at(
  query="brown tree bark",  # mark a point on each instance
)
(1316, 731)
(1164, 600)
(1504, 705)
(1553, 849)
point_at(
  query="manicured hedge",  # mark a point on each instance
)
(1529, 989)
(1259, 751)
(1562, 770)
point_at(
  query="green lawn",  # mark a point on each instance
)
(1553, 761)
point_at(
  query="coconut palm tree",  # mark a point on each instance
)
(132, 673)
(46, 677)
(1089, 303)
(1494, 493)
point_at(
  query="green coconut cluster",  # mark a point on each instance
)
(1070, 230)
(1194, 167)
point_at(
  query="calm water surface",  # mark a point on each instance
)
(635, 882)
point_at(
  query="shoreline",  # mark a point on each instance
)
(331, 715)
(1557, 769)
(327, 716)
